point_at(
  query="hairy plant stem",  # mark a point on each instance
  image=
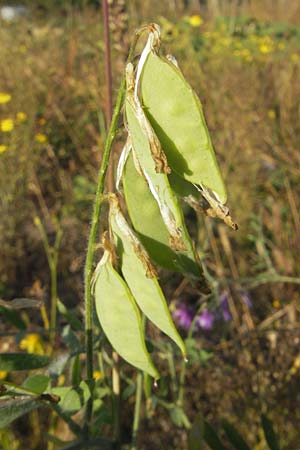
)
(88, 269)
(110, 188)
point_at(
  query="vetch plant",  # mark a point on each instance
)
(168, 156)
(168, 145)
(173, 135)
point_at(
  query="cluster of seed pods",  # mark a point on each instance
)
(168, 155)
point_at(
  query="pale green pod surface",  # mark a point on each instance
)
(176, 115)
(158, 182)
(120, 318)
(148, 223)
(140, 276)
(181, 187)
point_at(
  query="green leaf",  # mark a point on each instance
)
(70, 339)
(12, 409)
(196, 434)
(22, 361)
(37, 383)
(211, 438)
(72, 399)
(176, 115)
(142, 280)
(76, 371)
(119, 316)
(234, 436)
(150, 227)
(73, 320)
(269, 433)
(179, 418)
(13, 317)
(128, 391)
(71, 402)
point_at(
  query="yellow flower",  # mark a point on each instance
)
(23, 49)
(42, 121)
(271, 115)
(3, 374)
(295, 57)
(61, 379)
(41, 138)
(3, 148)
(32, 343)
(265, 48)
(4, 98)
(97, 375)
(245, 52)
(6, 125)
(276, 303)
(226, 41)
(249, 58)
(195, 21)
(21, 116)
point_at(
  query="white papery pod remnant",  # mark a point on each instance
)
(215, 208)
(116, 213)
(122, 161)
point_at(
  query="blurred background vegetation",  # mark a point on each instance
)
(243, 60)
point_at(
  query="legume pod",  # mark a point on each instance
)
(147, 222)
(140, 275)
(176, 115)
(153, 165)
(119, 316)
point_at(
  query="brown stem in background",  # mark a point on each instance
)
(108, 78)
(110, 187)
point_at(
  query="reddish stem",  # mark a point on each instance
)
(108, 77)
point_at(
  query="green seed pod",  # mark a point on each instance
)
(150, 227)
(140, 275)
(119, 316)
(176, 115)
(152, 162)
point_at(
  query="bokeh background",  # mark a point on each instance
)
(243, 60)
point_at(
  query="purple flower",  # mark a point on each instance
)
(224, 304)
(184, 316)
(206, 319)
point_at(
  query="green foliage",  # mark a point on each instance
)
(10, 410)
(269, 433)
(22, 361)
(36, 383)
(234, 437)
(212, 438)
